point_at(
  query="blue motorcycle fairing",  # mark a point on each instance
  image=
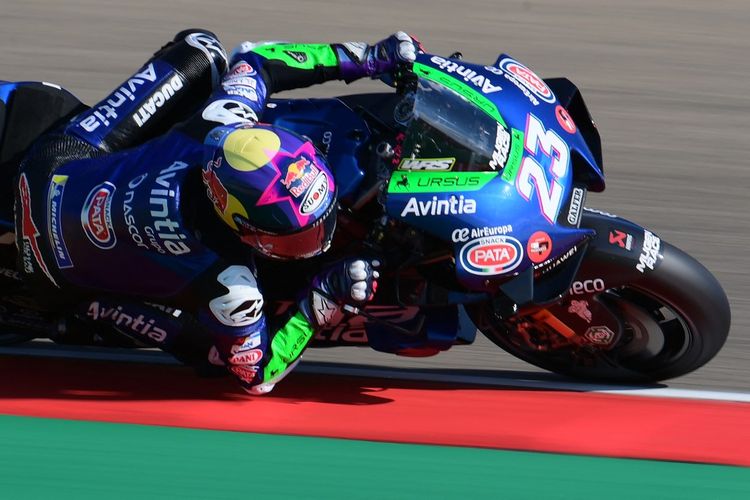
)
(497, 227)
(498, 215)
(518, 98)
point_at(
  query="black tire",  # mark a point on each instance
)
(680, 307)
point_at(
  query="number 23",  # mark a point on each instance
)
(539, 141)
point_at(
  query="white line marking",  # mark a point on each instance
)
(154, 356)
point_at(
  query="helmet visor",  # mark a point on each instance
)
(307, 242)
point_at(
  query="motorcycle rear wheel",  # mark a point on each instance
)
(675, 320)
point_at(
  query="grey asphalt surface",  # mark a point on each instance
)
(666, 81)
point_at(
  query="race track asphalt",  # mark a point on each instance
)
(667, 83)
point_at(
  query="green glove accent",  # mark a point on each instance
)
(299, 55)
(287, 345)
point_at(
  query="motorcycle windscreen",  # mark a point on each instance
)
(447, 132)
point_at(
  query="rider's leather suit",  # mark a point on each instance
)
(111, 209)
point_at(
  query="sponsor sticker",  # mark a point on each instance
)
(245, 357)
(621, 239)
(299, 176)
(580, 308)
(539, 247)
(576, 204)
(158, 99)
(438, 182)
(482, 82)
(595, 285)
(462, 235)
(108, 110)
(251, 342)
(30, 234)
(427, 164)
(162, 206)
(502, 148)
(241, 69)
(315, 195)
(246, 373)
(127, 322)
(649, 252)
(599, 335)
(548, 266)
(516, 155)
(96, 216)
(564, 119)
(54, 205)
(528, 79)
(455, 205)
(492, 255)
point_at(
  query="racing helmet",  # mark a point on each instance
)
(272, 188)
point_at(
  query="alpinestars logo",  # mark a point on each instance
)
(300, 57)
(228, 112)
(213, 50)
(30, 233)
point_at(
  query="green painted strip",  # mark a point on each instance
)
(299, 55)
(438, 76)
(42, 458)
(406, 182)
(514, 158)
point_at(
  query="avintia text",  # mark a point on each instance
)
(452, 206)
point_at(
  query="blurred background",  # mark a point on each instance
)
(667, 82)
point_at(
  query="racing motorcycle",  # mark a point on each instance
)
(469, 183)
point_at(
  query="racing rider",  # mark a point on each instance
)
(136, 207)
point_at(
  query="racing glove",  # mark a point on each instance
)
(339, 290)
(382, 60)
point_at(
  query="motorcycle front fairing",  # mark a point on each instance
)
(513, 217)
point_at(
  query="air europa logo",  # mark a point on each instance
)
(528, 79)
(96, 216)
(491, 255)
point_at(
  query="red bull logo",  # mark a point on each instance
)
(299, 176)
(215, 190)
